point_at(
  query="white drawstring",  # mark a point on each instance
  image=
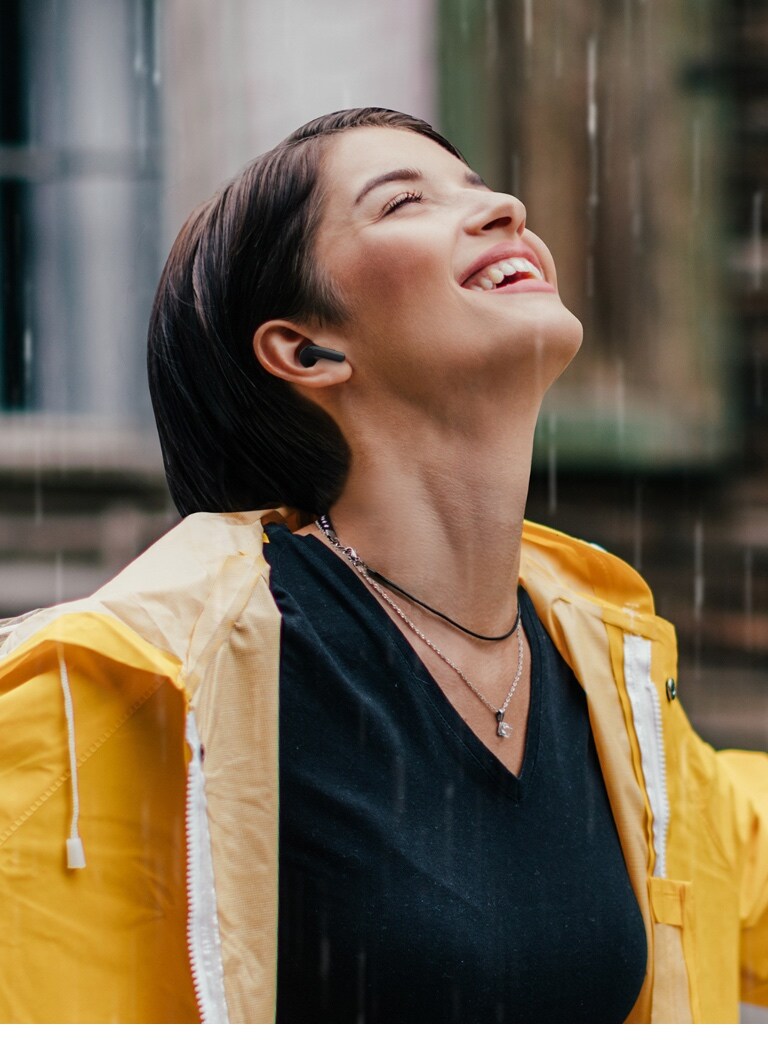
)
(75, 852)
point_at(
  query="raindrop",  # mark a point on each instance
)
(757, 240)
(528, 22)
(592, 118)
(464, 27)
(628, 27)
(516, 189)
(698, 593)
(552, 463)
(39, 510)
(362, 730)
(156, 23)
(27, 360)
(758, 377)
(399, 785)
(361, 963)
(559, 41)
(637, 528)
(58, 578)
(139, 56)
(748, 598)
(698, 569)
(636, 201)
(592, 193)
(448, 817)
(696, 167)
(621, 402)
(325, 957)
(491, 35)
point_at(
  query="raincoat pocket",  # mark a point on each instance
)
(672, 910)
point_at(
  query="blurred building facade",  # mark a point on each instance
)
(636, 135)
(118, 117)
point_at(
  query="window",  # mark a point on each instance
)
(79, 205)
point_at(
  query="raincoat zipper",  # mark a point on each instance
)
(646, 712)
(203, 939)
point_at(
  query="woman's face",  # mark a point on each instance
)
(441, 279)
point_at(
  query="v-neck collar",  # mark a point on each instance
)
(452, 724)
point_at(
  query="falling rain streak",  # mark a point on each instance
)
(552, 463)
(695, 166)
(636, 202)
(637, 528)
(757, 241)
(557, 35)
(698, 569)
(748, 594)
(698, 592)
(593, 196)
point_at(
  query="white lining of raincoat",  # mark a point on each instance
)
(203, 935)
(646, 713)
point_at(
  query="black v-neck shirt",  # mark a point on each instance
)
(420, 880)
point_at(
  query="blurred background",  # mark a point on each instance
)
(636, 131)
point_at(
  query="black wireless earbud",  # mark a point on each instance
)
(310, 355)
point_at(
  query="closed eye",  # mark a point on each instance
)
(401, 199)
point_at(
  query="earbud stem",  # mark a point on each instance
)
(311, 354)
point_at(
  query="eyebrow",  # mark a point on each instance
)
(400, 175)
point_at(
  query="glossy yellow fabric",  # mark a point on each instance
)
(198, 609)
(106, 943)
(191, 624)
(707, 920)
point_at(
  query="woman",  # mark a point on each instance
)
(491, 806)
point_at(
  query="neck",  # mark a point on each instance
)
(439, 510)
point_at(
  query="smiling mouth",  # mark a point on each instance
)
(502, 274)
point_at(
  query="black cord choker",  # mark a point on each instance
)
(324, 524)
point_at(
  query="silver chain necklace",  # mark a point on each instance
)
(503, 728)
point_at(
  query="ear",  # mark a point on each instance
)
(277, 344)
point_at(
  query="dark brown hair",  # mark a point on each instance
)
(234, 437)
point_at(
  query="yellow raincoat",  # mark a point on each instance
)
(142, 723)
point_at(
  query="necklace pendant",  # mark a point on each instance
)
(503, 729)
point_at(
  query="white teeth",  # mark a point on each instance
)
(523, 265)
(495, 273)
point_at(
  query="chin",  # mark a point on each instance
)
(565, 348)
(574, 335)
(556, 336)
(542, 353)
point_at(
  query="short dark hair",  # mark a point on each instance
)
(233, 436)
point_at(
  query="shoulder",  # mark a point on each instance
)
(568, 566)
(182, 588)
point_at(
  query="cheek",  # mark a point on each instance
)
(397, 276)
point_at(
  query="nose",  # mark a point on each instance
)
(498, 211)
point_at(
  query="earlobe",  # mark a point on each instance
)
(285, 351)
